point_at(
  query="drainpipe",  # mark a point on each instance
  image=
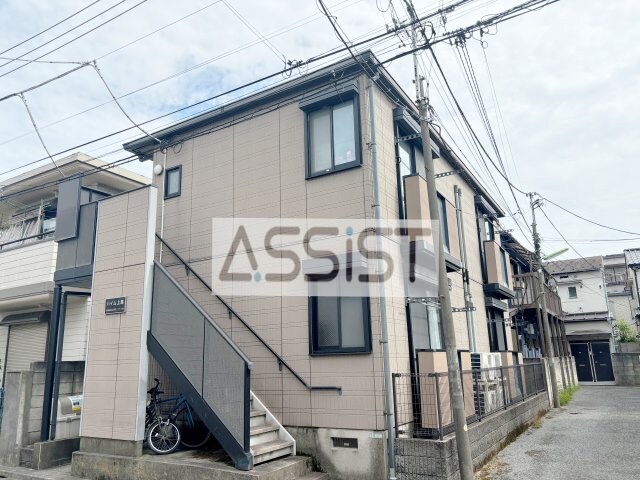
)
(383, 303)
(468, 299)
(58, 360)
(52, 342)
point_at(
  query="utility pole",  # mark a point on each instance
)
(543, 303)
(465, 460)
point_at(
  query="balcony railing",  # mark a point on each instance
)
(26, 240)
(525, 287)
(422, 405)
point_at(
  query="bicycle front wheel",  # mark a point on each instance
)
(163, 437)
(193, 432)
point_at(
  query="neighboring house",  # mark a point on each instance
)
(273, 375)
(29, 258)
(632, 262)
(526, 310)
(619, 288)
(582, 288)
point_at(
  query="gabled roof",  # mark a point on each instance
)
(632, 257)
(585, 264)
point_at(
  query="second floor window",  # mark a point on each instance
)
(332, 138)
(505, 267)
(173, 182)
(444, 224)
(573, 292)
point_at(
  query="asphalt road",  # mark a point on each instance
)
(596, 436)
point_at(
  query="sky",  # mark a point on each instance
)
(560, 87)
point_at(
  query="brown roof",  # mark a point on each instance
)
(575, 265)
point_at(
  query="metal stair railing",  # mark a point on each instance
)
(281, 362)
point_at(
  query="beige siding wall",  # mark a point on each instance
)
(113, 368)
(256, 168)
(28, 265)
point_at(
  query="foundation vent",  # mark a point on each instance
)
(343, 442)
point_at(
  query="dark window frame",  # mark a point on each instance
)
(166, 182)
(575, 295)
(444, 222)
(316, 350)
(331, 103)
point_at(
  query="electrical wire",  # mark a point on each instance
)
(75, 38)
(49, 28)
(495, 18)
(586, 219)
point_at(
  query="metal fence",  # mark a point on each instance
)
(422, 405)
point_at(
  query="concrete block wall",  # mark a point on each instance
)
(419, 459)
(71, 383)
(23, 401)
(626, 368)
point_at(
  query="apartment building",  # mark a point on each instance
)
(277, 375)
(31, 251)
(582, 287)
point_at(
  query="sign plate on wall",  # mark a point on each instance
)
(116, 305)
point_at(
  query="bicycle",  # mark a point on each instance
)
(193, 432)
(161, 432)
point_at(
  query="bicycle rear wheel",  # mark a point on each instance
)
(194, 433)
(163, 437)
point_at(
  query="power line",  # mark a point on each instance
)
(268, 44)
(73, 39)
(586, 219)
(311, 60)
(490, 20)
(234, 121)
(286, 29)
(48, 28)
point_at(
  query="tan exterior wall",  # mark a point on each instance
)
(116, 365)
(256, 168)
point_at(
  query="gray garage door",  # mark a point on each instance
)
(27, 344)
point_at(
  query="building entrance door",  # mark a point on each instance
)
(580, 352)
(601, 356)
(593, 361)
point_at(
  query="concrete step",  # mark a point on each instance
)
(26, 457)
(314, 476)
(257, 418)
(271, 450)
(263, 434)
(189, 464)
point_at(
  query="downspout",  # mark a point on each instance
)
(383, 303)
(468, 298)
(164, 168)
(58, 359)
(52, 342)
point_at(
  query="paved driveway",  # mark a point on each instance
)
(596, 436)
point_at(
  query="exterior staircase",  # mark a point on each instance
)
(213, 374)
(269, 439)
